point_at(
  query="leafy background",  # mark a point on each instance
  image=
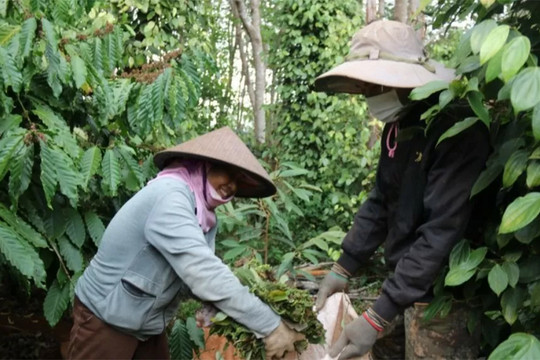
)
(91, 89)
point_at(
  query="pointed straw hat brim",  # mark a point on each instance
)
(223, 146)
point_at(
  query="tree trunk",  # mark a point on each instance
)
(371, 11)
(252, 25)
(400, 11)
(417, 20)
(381, 9)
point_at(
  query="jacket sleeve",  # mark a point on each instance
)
(368, 231)
(172, 228)
(456, 164)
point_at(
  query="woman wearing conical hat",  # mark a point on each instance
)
(162, 241)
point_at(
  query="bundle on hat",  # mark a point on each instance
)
(225, 147)
(387, 53)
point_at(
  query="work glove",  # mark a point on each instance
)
(356, 339)
(204, 315)
(335, 281)
(280, 341)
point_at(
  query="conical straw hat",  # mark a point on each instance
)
(225, 147)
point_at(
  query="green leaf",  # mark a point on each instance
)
(512, 272)
(445, 97)
(475, 99)
(57, 69)
(180, 342)
(527, 234)
(514, 167)
(8, 68)
(520, 212)
(68, 179)
(234, 253)
(511, 302)
(479, 34)
(22, 228)
(110, 171)
(49, 179)
(425, 91)
(196, 334)
(514, 56)
(536, 122)
(71, 254)
(3, 7)
(440, 305)
(493, 42)
(79, 71)
(7, 31)
(56, 302)
(486, 177)
(497, 279)
(90, 164)
(493, 70)
(533, 174)
(526, 89)
(95, 227)
(286, 262)
(519, 346)
(457, 128)
(27, 35)
(9, 122)
(126, 153)
(529, 269)
(15, 252)
(21, 171)
(75, 227)
(463, 263)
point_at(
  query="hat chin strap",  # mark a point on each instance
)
(375, 54)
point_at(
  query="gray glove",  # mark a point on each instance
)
(332, 283)
(356, 339)
(280, 341)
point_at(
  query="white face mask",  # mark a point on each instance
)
(385, 106)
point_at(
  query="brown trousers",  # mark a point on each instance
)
(91, 338)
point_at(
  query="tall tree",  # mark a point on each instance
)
(252, 24)
(401, 8)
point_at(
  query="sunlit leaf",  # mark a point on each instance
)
(480, 33)
(514, 167)
(525, 92)
(517, 347)
(423, 92)
(520, 212)
(533, 174)
(514, 56)
(493, 42)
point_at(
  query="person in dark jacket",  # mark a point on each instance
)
(420, 205)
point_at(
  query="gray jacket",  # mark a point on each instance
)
(152, 248)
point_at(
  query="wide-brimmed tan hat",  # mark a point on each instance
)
(223, 146)
(387, 53)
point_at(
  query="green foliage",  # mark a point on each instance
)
(293, 305)
(88, 92)
(330, 136)
(517, 346)
(500, 78)
(185, 338)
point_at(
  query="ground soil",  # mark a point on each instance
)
(24, 332)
